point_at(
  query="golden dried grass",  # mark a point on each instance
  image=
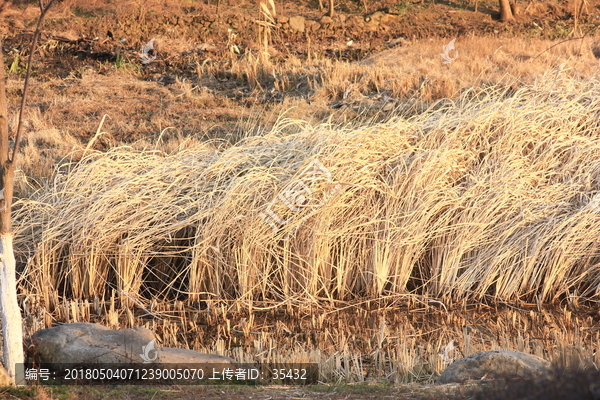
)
(405, 79)
(490, 197)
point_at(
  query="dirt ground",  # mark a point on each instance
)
(333, 392)
(205, 44)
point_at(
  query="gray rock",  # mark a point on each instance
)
(297, 23)
(495, 364)
(90, 343)
(87, 343)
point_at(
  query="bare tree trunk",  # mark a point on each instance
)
(506, 14)
(331, 11)
(12, 328)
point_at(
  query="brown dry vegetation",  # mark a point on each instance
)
(462, 204)
(489, 199)
(404, 80)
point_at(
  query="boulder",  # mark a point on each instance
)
(495, 364)
(90, 343)
(297, 23)
(85, 343)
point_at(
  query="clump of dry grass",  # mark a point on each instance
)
(491, 197)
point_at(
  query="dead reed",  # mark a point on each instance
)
(489, 199)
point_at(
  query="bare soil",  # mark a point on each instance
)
(192, 37)
(333, 392)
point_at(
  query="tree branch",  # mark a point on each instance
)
(36, 35)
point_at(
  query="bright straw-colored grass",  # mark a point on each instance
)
(490, 197)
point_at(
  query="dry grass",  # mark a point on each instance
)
(491, 198)
(414, 70)
(487, 197)
(244, 96)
